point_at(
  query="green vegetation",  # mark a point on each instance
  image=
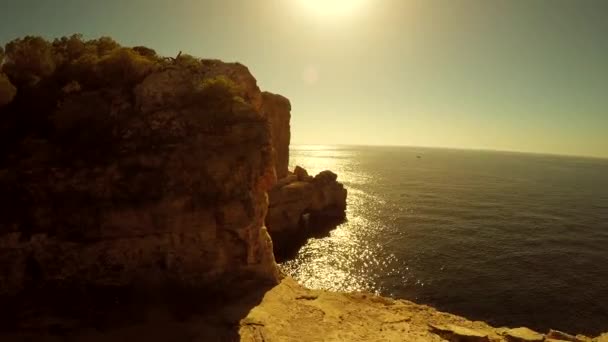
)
(73, 107)
(74, 92)
(218, 89)
(28, 60)
(7, 90)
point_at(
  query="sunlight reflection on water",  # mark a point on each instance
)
(347, 259)
(443, 226)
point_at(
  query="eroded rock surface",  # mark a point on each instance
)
(523, 335)
(161, 181)
(277, 110)
(290, 312)
(299, 198)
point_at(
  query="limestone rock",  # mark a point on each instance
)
(299, 195)
(277, 110)
(240, 75)
(601, 338)
(290, 312)
(523, 335)
(164, 89)
(7, 90)
(562, 336)
(457, 333)
(143, 186)
(302, 174)
(326, 177)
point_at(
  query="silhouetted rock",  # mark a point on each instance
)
(561, 336)
(455, 333)
(7, 90)
(159, 177)
(300, 199)
(277, 109)
(302, 174)
(523, 335)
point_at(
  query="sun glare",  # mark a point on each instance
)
(333, 8)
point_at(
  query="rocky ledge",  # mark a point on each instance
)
(121, 167)
(300, 205)
(135, 192)
(285, 312)
(289, 312)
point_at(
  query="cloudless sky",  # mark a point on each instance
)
(523, 75)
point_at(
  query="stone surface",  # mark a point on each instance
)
(601, 338)
(523, 335)
(278, 111)
(285, 312)
(240, 75)
(457, 333)
(7, 90)
(161, 187)
(290, 312)
(298, 195)
(301, 174)
(559, 335)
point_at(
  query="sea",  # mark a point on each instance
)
(509, 238)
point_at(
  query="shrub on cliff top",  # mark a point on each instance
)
(219, 89)
(188, 61)
(68, 48)
(7, 90)
(145, 52)
(94, 63)
(124, 66)
(28, 60)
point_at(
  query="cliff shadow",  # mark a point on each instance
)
(170, 313)
(287, 245)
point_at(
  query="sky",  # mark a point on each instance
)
(516, 75)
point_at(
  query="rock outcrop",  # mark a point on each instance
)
(123, 172)
(277, 110)
(290, 312)
(7, 89)
(300, 203)
(162, 180)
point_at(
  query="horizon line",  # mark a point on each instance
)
(554, 154)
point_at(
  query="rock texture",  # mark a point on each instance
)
(299, 198)
(151, 183)
(277, 110)
(523, 335)
(286, 312)
(122, 172)
(290, 312)
(7, 89)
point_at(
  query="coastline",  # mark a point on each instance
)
(192, 260)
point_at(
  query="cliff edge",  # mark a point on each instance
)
(134, 192)
(120, 167)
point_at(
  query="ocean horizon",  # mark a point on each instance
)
(510, 238)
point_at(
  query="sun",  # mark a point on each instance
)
(333, 8)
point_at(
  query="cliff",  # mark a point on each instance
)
(278, 111)
(301, 205)
(290, 312)
(121, 168)
(134, 192)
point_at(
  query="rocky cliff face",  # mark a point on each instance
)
(290, 312)
(278, 111)
(157, 180)
(300, 203)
